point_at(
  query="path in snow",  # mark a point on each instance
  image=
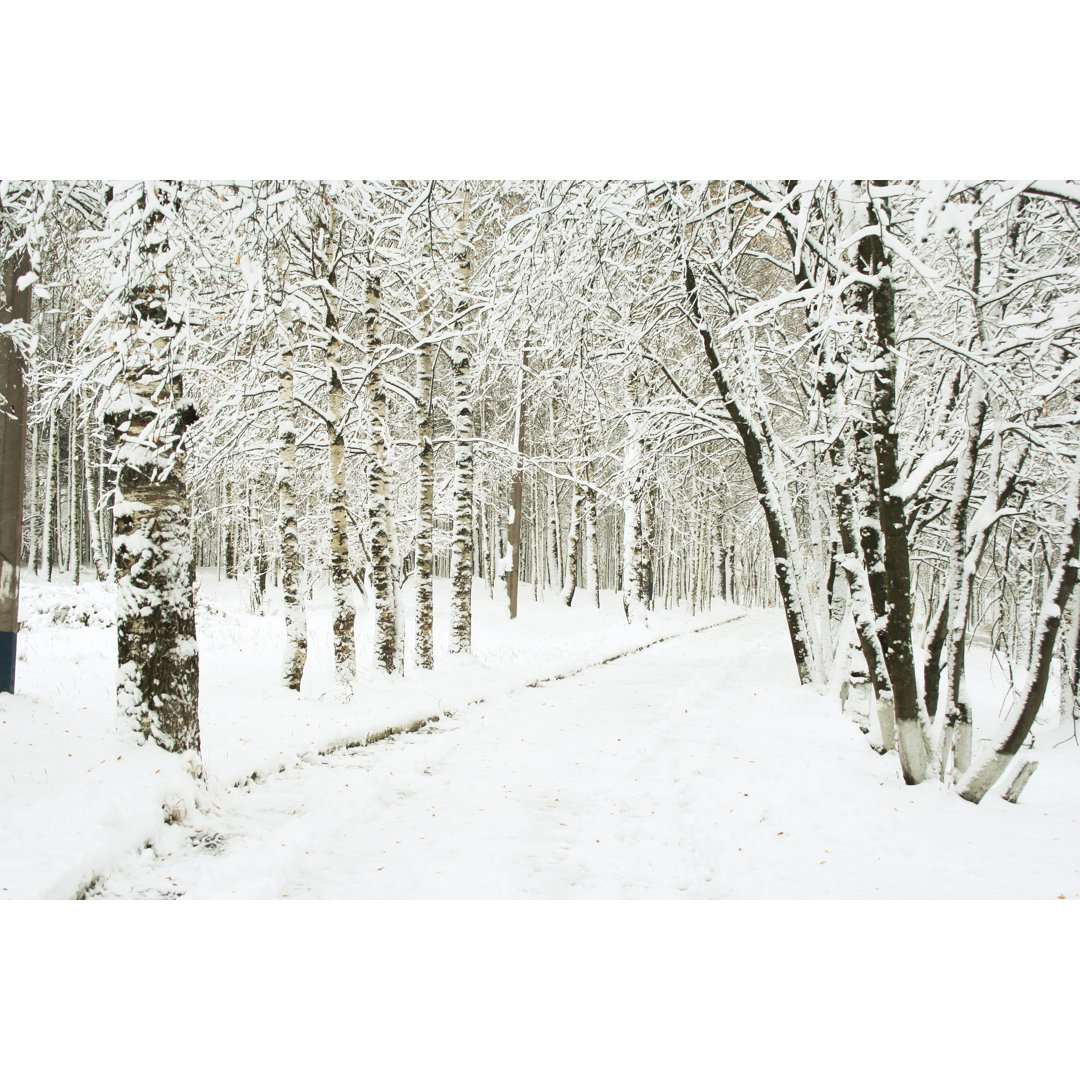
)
(694, 768)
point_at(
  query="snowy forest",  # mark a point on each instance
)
(290, 467)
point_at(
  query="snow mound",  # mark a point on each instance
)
(74, 605)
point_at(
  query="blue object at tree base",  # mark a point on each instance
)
(8, 639)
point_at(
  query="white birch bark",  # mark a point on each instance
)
(157, 652)
(74, 490)
(461, 556)
(341, 583)
(513, 531)
(387, 638)
(591, 543)
(91, 476)
(423, 647)
(632, 485)
(573, 545)
(47, 547)
(294, 658)
(957, 732)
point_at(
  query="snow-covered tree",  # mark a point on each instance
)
(157, 653)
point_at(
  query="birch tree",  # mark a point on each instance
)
(325, 241)
(157, 653)
(461, 559)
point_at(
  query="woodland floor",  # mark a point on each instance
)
(696, 767)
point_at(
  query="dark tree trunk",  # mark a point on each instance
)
(989, 769)
(756, 460)
(13, 404)
(899, 657)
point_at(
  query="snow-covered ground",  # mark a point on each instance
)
(696, 767)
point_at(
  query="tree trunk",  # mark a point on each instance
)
(461, 560)
(591, 544)
(632, 587)
(158, 656)
(292, 585)
(554, 563)
(985, 773)
(935, 644)
(49, 499)
(341, 582)
(91, 482)
(912, 742)
(573, 545)
(845, 486)
(798, 631)
(388, 638)
(513, 530)
(35, 530)
(423, 647)
(230, 547)
(957, 731)
(1070, 668)
(13, 405)
(74, 489)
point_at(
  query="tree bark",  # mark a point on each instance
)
(805, 662)
(845, 486)
(35, 529)
(957, 732)
(157, 652)
(633, 587)
(573, 545)
(91, 482)
(341, 582)
(423, 647)
(461, 558)
(988, 770)
(74, 491)
(513, 530)
(294, 659)
(911, 739)
(591, 543)
(49, 499)
(13, 406)
(388, 638)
